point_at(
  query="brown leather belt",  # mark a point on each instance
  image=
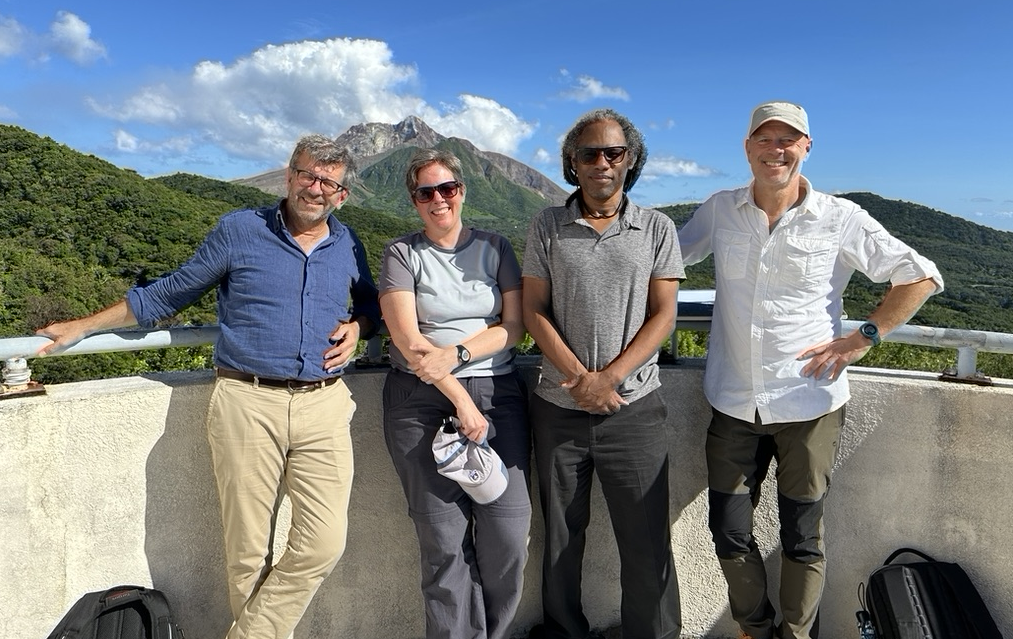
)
(293, 385)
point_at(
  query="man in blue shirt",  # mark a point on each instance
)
(294, 297)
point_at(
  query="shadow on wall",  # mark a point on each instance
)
(373, 590)
(183, 533)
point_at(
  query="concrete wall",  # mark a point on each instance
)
(109, 482)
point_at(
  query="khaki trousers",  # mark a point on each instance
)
(266, 442)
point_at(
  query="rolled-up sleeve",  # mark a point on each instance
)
(870, 248)
(167, 296)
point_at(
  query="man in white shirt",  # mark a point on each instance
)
(776, 378)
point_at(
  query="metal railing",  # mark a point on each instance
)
(968, 343)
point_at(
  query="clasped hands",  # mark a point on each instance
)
(595, 393)
(431, 363)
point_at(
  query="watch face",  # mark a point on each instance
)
(870, 331)
(463, 354)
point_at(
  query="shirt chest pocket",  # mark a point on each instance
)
(731, 254)
(808, 261)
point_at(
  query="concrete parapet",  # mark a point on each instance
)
(109, 482)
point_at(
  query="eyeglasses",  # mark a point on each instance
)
(782, 142)
(306, 180)
(447, 190)
(612, 154)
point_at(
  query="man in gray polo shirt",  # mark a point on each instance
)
(600, 280)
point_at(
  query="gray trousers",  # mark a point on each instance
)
(628, 451)
(472, 556)
(738, 458)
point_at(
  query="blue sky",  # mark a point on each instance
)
(910, 100)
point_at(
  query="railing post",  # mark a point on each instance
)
(967, 362)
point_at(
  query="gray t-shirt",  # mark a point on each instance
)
(599, 286)
(458, 291)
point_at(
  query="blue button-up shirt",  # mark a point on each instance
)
(277, 306)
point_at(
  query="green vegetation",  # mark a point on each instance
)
(76, 232)
(976, 263)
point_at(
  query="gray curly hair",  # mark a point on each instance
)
(324, 150)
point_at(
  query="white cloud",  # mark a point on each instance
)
(661, 167)
(255, 107)
(487, 124)
(543, 157)
(127, 142)
(12, 37)
(69, 37)
(588, 88)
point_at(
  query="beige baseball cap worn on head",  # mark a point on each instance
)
(791, 114)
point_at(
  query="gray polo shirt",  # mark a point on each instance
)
(599, 286)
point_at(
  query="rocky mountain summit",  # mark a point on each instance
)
(373, 143)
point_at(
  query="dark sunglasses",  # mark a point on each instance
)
(612, 154)
(447, 190)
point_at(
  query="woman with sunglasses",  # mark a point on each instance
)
(451, 299)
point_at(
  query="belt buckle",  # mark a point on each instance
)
(303, 387)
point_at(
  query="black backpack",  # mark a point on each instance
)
(123, 612)
(925, 599)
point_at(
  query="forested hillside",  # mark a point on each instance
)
(76, 232)
(976, 263)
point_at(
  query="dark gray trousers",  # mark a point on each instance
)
(628, 451)
(472, 556)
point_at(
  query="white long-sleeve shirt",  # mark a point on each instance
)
(779, 292)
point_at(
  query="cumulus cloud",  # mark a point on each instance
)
(12, 37)
(486, 123)
(128, 143)
(68, 37)
(257, 106)
(584, 88)
(662, 167)
(544, 157)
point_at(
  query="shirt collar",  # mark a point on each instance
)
(808, 204)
